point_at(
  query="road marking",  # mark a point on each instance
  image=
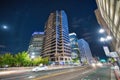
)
(14, 77)
(56, 74)
(31, 77)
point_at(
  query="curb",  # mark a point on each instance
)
(117, 75)
(12, 72)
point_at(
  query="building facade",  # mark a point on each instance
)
(85, 52)
(36, 43)
(108, 16)
(74, 45)
(56, 42)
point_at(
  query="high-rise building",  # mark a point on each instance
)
(108, 16)
(56, 42)
(85, 52)
(36, 43)
(74, 45)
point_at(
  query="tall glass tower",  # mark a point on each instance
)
(74, 45)
(85, 52)
(56, 42)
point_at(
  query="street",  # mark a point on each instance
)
(98, 74)
(88, 74)
(75, 73)
(35, 75)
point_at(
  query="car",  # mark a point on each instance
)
(76, 64)
(39, 68)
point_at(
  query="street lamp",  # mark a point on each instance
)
(102, 39)
(101, 30)
(108, 38)
(105, 47)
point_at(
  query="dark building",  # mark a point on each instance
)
(36, 43)
(56, 42)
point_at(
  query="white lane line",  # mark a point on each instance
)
(11, 78)
(31, 77)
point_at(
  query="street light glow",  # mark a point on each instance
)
(102, 39)
(108, 37)
(101, 31)
(33, 53)
(32, 57)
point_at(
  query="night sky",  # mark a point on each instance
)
(23, 17)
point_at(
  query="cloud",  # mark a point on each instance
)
(87, 38)
(2, 46)
(87, 34)
(81, 22)
(76, 22)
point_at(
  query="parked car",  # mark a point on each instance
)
(39, 68)
(76, 64)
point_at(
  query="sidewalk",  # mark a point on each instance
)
(14, 68)
(113, 75)
(117, 74)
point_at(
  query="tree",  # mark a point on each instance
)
(36, 61)
(22, 59)
(18, 59)
(75, 60)
(7, 59)
(45, 60)
(1, 61)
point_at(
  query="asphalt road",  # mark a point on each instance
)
(36, 75)
(76, 73)
(103, 73)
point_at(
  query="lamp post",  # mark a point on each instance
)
(109, 54)
(104, 40)
(101, 30)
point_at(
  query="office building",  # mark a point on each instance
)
(56, 42)
(108, 16)
(85, 52)
(36, 43)
(74, 45)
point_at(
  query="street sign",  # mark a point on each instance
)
(102, 60)
(114, 54)
(106, 50)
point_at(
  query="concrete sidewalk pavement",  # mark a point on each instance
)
(117, 74)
